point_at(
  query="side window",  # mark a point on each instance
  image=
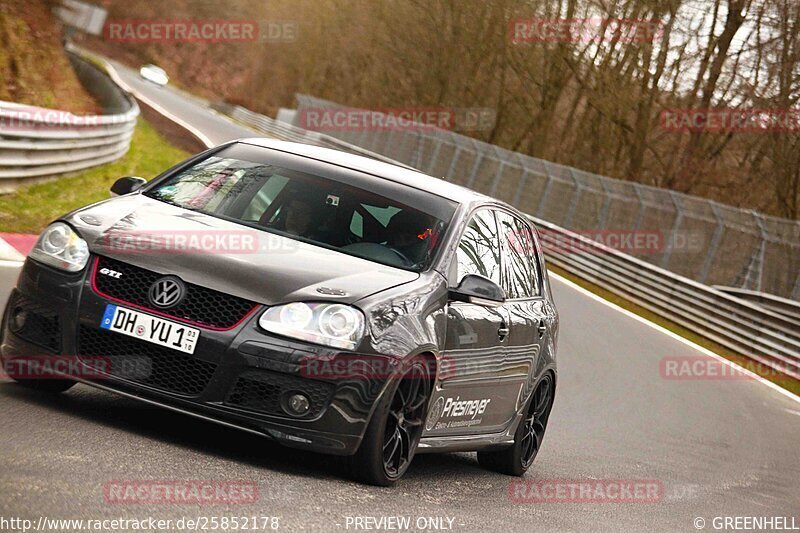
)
(357, 225)
(479, 249)
(382, 214)
(532, 253)
(520, 276)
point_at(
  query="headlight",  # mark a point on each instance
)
(337, 325)
(59, 246)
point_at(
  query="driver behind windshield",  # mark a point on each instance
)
(408, 233)
(298, 217)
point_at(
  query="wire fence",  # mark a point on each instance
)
(703, 240)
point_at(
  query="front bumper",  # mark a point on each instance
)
(239, 376)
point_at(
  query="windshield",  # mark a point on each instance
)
(373, 224)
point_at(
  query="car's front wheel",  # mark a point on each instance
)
(517, 458)
(395, 429)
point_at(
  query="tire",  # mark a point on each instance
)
(517, 458)
(393, 433)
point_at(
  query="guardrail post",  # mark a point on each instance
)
(715, 240)
(453, 162)
(403, 144)
(474, 173)
(640, 213)
(497, 176)
(673, 231)
(576, 198)
(521, 186)
(362, 141)
(435, 156)
(416, 156)
(755, 269)
(547, 186)
(389, 138)
(601, 223)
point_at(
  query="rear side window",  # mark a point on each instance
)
(479, 248)
(520, 265)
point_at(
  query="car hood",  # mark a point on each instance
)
(239, 260)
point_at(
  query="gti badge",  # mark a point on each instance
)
(112, 273)
(167, 292)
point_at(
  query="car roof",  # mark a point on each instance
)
(381, 169)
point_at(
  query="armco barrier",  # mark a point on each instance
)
(36, 143)
(761, 334)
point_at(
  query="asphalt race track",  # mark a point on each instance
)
(714, 447)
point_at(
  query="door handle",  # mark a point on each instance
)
(542, 329)
(503, 332)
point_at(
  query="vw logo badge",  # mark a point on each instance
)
(167, 292)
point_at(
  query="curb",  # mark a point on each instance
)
(16, 246)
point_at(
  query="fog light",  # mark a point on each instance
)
(298, 404)
(18, 318)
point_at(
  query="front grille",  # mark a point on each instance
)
(39, 324)
(264, 391)
(201, 305)
(145, 363)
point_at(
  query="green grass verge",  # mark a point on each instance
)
(31, 208)
(786, 382)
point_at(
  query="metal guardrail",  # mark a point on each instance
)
(756, 332)
(783, 306)
(36, 143)
(759, 333)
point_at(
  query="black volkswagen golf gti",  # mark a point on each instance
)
(325, 300)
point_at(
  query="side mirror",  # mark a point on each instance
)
(479, 290)
(126, 185)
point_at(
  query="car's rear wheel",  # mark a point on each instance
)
(516, 459)
(395, 429)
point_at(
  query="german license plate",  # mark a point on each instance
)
(150, 328)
